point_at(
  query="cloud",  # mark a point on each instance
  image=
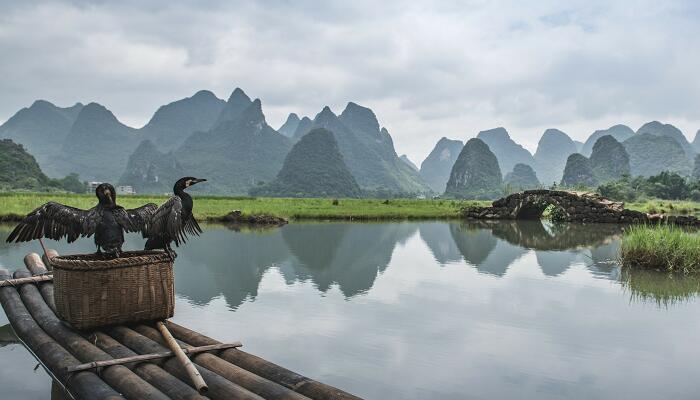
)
(427, 69)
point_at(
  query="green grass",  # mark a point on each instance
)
(673, 207)
(663, 248)
(212, 207)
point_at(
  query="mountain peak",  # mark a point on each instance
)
(204, 93)
(361, 117)
(498, 133)
(554, 131)
(238, 95)
(290, 125)
(95, 111)
(325, 114)
(42, 104)
(236, 104)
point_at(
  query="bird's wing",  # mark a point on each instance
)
(192, 227)
(56, 221)
(135, 219)
(159, 224)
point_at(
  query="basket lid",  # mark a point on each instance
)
(99, 261)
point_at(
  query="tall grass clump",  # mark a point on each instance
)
(661, 247)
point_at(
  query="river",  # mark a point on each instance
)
(427, 310)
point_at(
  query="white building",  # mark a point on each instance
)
(125, 189)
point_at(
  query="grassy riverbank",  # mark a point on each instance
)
(14, 204)
(663, 247)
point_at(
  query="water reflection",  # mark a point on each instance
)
(347, 255)
(7, 336)
(661, 288)
(492, 247)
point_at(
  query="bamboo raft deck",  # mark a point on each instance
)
(153, 372)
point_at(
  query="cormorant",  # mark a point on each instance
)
(173, 220)
(107, 221)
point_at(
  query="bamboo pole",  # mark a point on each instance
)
(195, 376)
(34, 264)
(299, 383)
(219, 387)
(149, 357)
(256, 384)
(151, 372)
(22, 281)
(82, 385)
(117, 376)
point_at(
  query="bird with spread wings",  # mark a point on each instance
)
(107, 221)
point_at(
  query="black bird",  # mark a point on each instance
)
(173, 220)
(107, 221)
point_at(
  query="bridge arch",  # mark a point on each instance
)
(567, 206)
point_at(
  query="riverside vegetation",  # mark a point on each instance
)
(663, 248)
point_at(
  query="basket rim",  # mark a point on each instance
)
(91, 262)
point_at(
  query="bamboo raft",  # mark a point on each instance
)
(136, 361)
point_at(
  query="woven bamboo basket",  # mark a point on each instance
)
(91, 291)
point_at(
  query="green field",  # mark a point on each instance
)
(206, 207)
(12, 204)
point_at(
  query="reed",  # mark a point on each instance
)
(662, 247)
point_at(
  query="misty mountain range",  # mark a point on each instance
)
(230, 143)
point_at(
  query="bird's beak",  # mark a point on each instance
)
(108, 193)
(198, 180)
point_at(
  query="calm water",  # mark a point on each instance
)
(429, 310)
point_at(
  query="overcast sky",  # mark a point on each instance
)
(427, 69)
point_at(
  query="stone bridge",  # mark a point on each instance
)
(565, 206)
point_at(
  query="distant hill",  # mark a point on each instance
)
(651, 154)
(660, 129)
(151, 171)
(41, 128)
(696, 167)
(507, 151)
(408, 162)
(436, 168)
(19, 169)
(368, 151)
(553, 149)
(476, 174)
(522, 177)
(313, 168)
(619, 132)
(609, 160)
(97, 146)
(579, 145)
(174, 122)
(237, 154)
(302, 128)
(578, 172)
(290, 125)
(696, 142)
